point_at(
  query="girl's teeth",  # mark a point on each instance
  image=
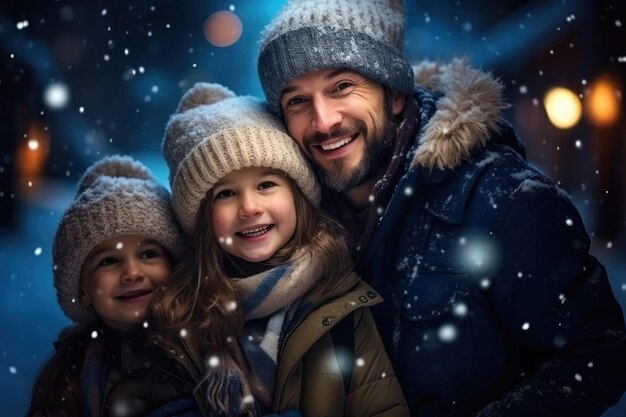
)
(331, 146)
(254, 232)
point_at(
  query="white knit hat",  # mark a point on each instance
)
(214, 132)
(116, 196)
(366, 36)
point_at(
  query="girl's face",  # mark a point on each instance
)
(119, 276)
(254, 214)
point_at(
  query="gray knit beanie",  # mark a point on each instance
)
(116, 196)
(308, 35)
(214, 132)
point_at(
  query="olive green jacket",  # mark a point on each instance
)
(309, 378)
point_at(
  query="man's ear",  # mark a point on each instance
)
(397, 102)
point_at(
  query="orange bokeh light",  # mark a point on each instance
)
(602, 103)
(31, 155)
(223, 28)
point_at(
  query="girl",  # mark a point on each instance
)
(113, 248)
(267, 290)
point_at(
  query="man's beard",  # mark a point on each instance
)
(377, 150)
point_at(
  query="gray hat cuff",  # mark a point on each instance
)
(313, 48)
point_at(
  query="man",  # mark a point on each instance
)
(493, 304)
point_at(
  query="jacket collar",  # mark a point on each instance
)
(465, 117)
(320, 320)
(454, 133)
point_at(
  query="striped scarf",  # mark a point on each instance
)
(267, 300)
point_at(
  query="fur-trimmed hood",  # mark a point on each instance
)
(466, 115)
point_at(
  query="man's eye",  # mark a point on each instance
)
(343, 85)
(295, 101)
(266, 184)
(224, 194)
(109, 260)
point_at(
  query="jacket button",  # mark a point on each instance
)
(327, 321)
(371, 294)
(363, 299)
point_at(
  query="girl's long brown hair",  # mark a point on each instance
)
(56, 390)
(200, 296)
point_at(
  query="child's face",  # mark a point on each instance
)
(254, 214)
(119, 276)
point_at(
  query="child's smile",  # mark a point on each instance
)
(253, 213)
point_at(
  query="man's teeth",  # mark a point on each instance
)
(255, 232)
(338, 144)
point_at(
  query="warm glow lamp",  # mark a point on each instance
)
(602, 104)
(563, 107)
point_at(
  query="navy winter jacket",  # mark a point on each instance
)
(493, 304)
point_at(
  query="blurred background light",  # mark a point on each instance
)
(602, 104)
(31, 157)
(223, 28)
(563, 107)
(56, 96)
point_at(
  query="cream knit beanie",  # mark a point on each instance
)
(116, 196)
(366, 36)
(214, 132)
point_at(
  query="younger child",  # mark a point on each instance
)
(268, 291)
(113, 248)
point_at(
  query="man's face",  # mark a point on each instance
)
(340, 120)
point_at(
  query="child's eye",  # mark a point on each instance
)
(266, 184)
(224, 194)
(150, 253)
(107, 261)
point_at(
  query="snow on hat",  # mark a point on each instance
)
(115, 196)
(308, 35)
(213, 133)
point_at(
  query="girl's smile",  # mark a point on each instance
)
(253, 213)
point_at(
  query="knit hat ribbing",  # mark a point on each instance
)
(214, 133)
(308, 35)
(116, 196)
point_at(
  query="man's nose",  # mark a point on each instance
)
(326, 115)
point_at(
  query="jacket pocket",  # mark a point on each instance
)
(436, 339)
(431, 296)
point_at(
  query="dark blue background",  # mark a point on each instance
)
(530, 46)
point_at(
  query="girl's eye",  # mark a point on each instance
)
(150, 253)
(266, 184)
(109, 260)
(224, 194)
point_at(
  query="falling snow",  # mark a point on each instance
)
(447, 333)
(108, 50)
